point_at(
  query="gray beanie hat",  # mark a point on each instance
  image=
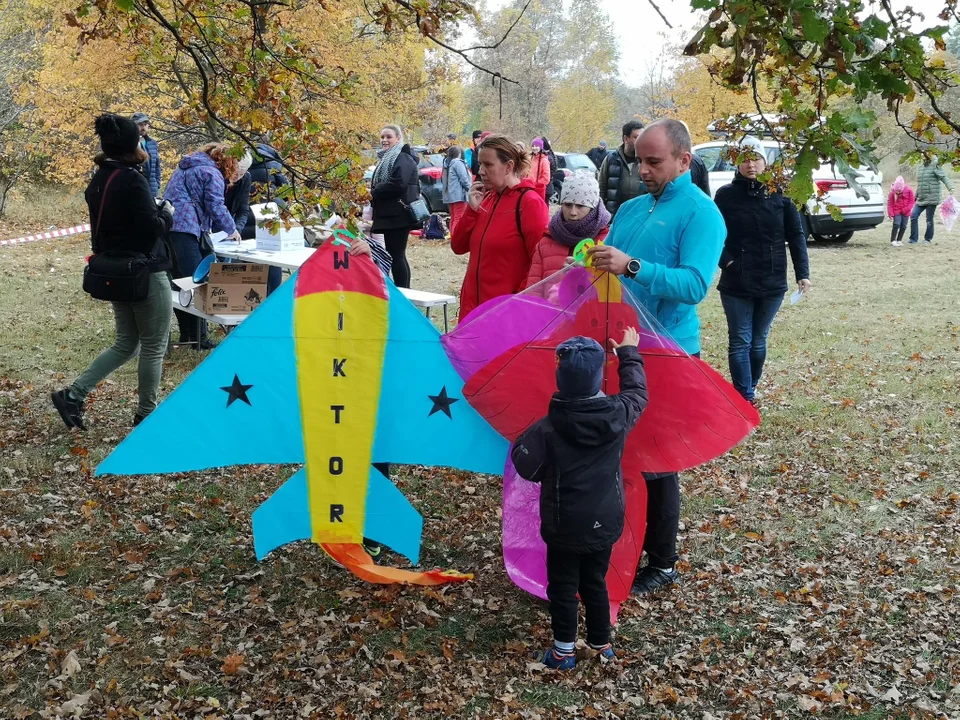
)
(580, 189)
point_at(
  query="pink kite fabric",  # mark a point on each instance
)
(505, 351)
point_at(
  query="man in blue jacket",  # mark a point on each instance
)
(666, 245)
(151, 168)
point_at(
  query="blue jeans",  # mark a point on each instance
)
(748, 324)
(915, 215)
(899, 220)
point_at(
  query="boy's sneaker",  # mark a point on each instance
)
(70, 409)
(556, 660)
(604, 651)
(652, 579)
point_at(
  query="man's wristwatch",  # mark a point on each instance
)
(633, 267)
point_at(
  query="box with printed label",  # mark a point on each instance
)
(231, 289)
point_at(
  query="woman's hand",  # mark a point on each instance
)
(476, 195)
(360, 247)
(235, 236)
(804, 285)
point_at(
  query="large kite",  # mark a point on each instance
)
(505, 352)
(337, 371)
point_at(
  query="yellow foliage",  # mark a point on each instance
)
(579, 113)
(364, 79)
(700, 99)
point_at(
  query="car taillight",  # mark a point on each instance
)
(825, 186)
(433, 172)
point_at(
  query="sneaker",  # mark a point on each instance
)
(70, 409)
(138, 418)
(928, 242)
(604, 651)
(556, 660)
(205, 344)
(374, 550)
(652, 579)
(896, 243)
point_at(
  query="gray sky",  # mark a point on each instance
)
(643, 35)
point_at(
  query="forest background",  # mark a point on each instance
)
(321, 78)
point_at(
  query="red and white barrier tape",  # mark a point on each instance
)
(47, 235)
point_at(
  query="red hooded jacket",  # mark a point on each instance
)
(500, 252)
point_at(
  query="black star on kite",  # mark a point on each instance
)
(442, 403)
(236, 391)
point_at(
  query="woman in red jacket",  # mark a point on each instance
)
(501, 227)
(581, 216)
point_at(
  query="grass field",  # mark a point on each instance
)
(819, 571)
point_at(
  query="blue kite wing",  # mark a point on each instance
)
(423, 418)
(238, 407)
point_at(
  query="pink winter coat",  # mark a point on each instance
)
(900, 203)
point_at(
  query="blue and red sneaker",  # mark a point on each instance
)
(604, 651)
(557, 659)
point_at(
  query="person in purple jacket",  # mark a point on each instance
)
(196, 189)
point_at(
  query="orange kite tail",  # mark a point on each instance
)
(356, 560)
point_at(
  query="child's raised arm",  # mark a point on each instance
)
(633, 379)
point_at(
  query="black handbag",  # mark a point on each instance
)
(419, 212)
(116, 276)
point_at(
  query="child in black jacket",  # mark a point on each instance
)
(574, 453)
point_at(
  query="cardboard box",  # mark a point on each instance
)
(231, 289)
(281, 240)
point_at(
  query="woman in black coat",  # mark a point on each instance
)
(395, 185)
(753, 278)
(124, 217)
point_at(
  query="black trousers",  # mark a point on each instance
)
(663, 519)
(569, 573)
(396, 243)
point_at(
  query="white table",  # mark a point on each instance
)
(246, 251)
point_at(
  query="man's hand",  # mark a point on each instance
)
(631, 338)
(804, 285)
(235, 236)
(475, 197)
(609, 259)
(360, 247)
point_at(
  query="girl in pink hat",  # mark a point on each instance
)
(899, 206)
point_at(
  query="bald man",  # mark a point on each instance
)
(666, 244)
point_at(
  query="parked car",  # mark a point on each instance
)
(832, 188)
(572, 163)
(431, 174)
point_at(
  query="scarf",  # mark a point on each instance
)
(570, 233)
(385, 166)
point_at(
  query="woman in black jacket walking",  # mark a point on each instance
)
(124, 217)
(753, 264)
(394, 187)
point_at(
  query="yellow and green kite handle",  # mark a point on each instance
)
(580, 251)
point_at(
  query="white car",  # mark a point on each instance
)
(832, 188)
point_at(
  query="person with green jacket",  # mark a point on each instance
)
(928, 197)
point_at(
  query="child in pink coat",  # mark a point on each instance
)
(899, 206)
